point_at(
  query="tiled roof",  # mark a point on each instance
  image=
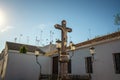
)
(102, 38)
(17, 46)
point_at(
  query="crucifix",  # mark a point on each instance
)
(64, 31)
(63, 58)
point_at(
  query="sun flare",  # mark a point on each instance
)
(2, 18)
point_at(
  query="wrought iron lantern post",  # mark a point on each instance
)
(37, 54)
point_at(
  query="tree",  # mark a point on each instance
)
(117, 20)
(23, 50)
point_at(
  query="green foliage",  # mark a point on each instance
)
(117, 19)
(23, 50)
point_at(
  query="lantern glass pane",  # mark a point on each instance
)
(37, 53)
(92, 51)
(70, 43)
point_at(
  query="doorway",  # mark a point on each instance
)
(55, 65)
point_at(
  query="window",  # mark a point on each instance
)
(117, 62)
(88, 61)
(69, 66)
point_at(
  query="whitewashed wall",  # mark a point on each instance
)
(24, 66)
(103, 66)
(78, 61)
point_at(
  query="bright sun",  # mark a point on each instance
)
(2, 18)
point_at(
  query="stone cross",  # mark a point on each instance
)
(63, 56)
(64, 31)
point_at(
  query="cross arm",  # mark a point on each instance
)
(69, 29)
(57, 26)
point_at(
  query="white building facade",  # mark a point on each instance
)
(106, 63)
(104, 66)
(24, 67)
(19, 66)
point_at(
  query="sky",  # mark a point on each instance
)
(32, 21)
